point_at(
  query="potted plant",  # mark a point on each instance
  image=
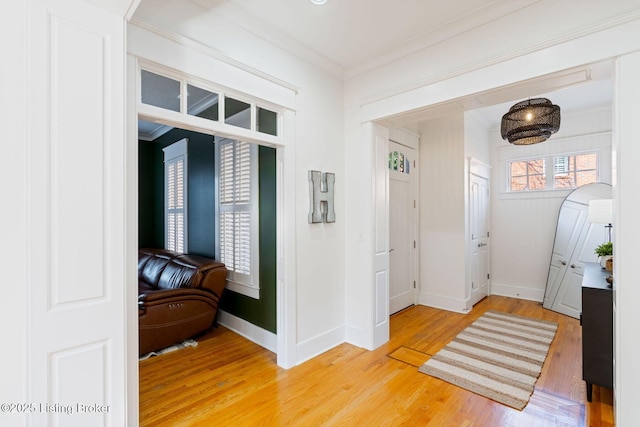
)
(605, 252)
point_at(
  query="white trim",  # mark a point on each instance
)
(201, 66)
(244, 289)
(226, 127)
(204, 63)
(442, 302)
(286, 254)
(131, 242)
(517, 292)
(206, 126)
(312, 347)
(253, 333)
(533, 63)
(479, 168)
(211, 52)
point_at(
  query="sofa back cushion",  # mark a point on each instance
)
(163, 269)
(150, 270)
(177, 274)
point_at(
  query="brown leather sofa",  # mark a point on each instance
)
(178, 296)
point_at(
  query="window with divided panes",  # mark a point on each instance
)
(238, 213)
(175, 166)
(553, 172)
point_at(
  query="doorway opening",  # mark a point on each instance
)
(202, 216)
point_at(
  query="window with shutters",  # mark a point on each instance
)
(238, 214)
(175, 190)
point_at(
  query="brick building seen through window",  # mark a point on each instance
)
(553, 172)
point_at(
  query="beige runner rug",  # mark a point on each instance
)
(499, 356)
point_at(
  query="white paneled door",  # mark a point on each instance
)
(479, 228)
(401, 227)
(76, 196)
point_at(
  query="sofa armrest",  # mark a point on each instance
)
(166, 296)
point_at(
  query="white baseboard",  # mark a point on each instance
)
(445, 303)
(254, 333)
(517, 292)
(315, 346)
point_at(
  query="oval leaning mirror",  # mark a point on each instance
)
(574, 244)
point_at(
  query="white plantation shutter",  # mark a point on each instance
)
(175, 166)
(561, 164)
(238, 214)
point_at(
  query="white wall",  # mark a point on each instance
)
(442, 213)
(523, 225)
(319, 115)
(476, 146)
(626, 292)
(476, 137)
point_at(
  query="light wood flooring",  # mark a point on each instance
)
(229, 381)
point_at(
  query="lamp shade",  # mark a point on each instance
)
(600, 211)
(530, 122)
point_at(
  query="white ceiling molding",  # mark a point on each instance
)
(124, 8)
(209, 51)
(273, 35)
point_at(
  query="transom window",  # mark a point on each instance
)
(195, 98)
(557, 172)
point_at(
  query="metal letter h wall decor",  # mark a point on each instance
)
(321, 197)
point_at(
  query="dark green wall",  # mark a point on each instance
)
(201, 215)
(200, 198)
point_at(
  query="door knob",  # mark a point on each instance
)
(563, 262)
(572, 266)
(391, 250)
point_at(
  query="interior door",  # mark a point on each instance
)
(479, 228)
(401, 225)
(76, 196)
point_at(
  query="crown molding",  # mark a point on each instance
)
(210, 51)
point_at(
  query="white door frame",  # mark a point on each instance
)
(285, 211)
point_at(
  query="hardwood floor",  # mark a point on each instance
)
(229, 381)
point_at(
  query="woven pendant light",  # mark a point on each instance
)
(530, 122)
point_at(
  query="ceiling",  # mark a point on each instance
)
(357, 34)
(354, 36)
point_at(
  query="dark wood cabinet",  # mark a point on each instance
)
(597, 328)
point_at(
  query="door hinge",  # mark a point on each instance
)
(414, 284)
(487, 234)
(414, 204)
(414, 244)
(488, 276)
(414, 164)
